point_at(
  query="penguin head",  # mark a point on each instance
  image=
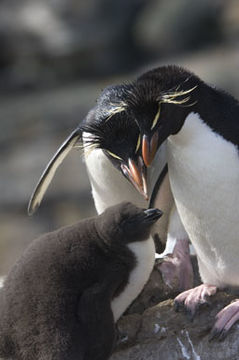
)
(160, 102)
(126, 223)
(132, 120)
(111, 128)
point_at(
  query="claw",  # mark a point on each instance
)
(225, 319)
(193, 298)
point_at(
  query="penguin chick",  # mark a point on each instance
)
(63, 296)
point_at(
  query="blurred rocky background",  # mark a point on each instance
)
(55, 58)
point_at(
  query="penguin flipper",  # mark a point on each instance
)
(50, 170)
(97, 320)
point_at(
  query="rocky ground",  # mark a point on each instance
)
(153, 330)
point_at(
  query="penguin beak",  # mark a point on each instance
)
(136, 174)
(149, 148)
(152, 215)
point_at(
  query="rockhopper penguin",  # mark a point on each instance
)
(200, 125)
(112, 143)
(62, 298)
(112, 133)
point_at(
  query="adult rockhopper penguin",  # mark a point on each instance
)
(62, 298)
(200, 125)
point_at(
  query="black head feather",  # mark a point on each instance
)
(125, 222)
(110, 125)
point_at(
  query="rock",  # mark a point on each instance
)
(128, 328)
(151, 329)
(230, 21)
(166, 27)
(156, 291)
(44, 43)
(162, 333)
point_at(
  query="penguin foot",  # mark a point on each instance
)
(191, 299)
(176, 268)
(224, 320)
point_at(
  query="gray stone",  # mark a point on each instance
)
(159, 332)
(168, 27)
(162, 333)
(44, 42)
(156, 291)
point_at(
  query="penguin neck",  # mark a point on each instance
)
(219, 111)
(195, 134)
(198, 150)
(190, 132)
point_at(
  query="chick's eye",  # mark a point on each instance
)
(156, 118)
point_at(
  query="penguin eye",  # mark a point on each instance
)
(155, 120)
(114, 155)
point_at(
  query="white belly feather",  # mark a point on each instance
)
(204, 177)
(145, 257)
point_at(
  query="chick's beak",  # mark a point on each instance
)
(149, 148)
(136, 174)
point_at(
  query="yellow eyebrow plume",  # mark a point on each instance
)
(114, 155)
(138, 144)
(156, 118)
(171, 98)
(116, 109)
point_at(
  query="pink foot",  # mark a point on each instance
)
(176, 268)
(193, 298)
(224, 320)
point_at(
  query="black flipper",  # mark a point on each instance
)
(50, 170)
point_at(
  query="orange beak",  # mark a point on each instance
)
(149, 148)
(136, 174)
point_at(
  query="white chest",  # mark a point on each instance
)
(204, 176)
(145, 257)
(109, 187)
